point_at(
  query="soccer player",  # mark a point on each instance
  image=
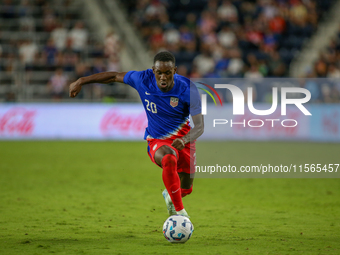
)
(168, 99)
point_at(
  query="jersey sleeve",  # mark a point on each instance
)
(134, 78)
(195, 100)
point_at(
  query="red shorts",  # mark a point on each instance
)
(186, 158)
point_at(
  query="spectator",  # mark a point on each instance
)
(236, 64)
(186, 35)
(276, 66)
(27, 22)
(157, 39)
(254, 34)
(59, 36)
(212, 6)
(59, 59)
(79, 37)
(333, 72)
(204, 62)
(96, 51)
(253, 73)
(191, 22)
(165, 22)
(49, 52)
(28, 50)
(111, 45)
(269, 9)
(111, 51)
(58, 84)
(98, 67)
(113, 64)
(269, 40)
(10, 97)
(182, 70)
(25, 9)
(227, 12)
(227, 37)
(298, 10)
(156, 9)
(222, 65)
(49, 20)
(277, 24)
(172, 36)
(320, 68)
(210, 39)
(207, 23)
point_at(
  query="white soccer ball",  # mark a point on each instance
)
(177, 229)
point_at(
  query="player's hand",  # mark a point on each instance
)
(74, 88)
(178, 144)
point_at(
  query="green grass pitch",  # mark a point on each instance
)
(105, 198)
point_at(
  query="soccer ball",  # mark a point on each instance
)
(177, 229)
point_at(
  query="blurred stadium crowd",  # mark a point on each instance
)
(239, 39)
(228, 38)
(49, 43)
(46, 44)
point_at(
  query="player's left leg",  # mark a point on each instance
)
(169, 205)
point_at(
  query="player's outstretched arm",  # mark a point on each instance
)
(105, 77)
(192, 135)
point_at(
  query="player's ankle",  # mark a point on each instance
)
(183, 212)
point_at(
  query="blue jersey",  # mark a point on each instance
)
(167, 112)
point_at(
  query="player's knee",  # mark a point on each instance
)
(169, 162)
(162, 152)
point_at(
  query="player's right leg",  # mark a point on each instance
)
(186, 168)
(186, 183)
(166, 157)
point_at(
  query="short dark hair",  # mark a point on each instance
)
(164, 56)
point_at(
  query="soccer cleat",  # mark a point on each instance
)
(183, 212)
(169, 205)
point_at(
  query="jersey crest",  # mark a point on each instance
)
(174, 101)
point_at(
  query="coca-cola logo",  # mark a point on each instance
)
(17, 121)
(123, 122)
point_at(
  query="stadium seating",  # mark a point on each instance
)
(288, 40)
(31, 49)
(261, 29)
